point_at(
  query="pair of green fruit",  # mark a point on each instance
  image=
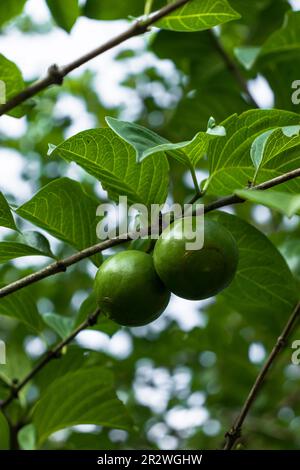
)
(133, 288)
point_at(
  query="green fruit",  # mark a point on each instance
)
(197, 274)
(128, 289)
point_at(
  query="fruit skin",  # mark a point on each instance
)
(198, 274)
(128, 289)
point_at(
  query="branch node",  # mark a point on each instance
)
(56, 74)
(92, 320)
(60, 266)
(281, 342)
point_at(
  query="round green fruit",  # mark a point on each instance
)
(128, 289)
(196, 274)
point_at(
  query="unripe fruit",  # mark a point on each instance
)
(129, 291)
(196, 274)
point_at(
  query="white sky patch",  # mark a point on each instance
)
(261, 91)
(187, 312)
(11, 181)
(180, 418)
(256, 353)
(12, 127)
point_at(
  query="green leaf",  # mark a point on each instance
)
(20, 305)
(263, 284)
(4, 433)
(63, 209)
(12, 78)
(6, 217)
(13, 250)
(199, 15)
(247, 55)
(285, 41)
(104, 324)
(81, 397)
(61, 325)
(230, 161)
(65, 13)
(9, 10)
(102, 9)
(27, 437)
(287, 204)
(111, 160)
(147, 142)
(38, 241)
(278, 150)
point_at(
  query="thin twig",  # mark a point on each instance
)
(235, 432)
(56, 74)
(62, 265)
(233, 68)
(51, 354)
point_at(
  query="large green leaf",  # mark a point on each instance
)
(81, 397)
(12, 250)
(263, 284)
(20, 305)
(198, 15)
(12, 78)
(64, 209)
(10, 9)
(230, 161)
(6, 218)
(147, 142)
(107, 157)
(287, 204)
(277, 149)
(64, 12)
(4, 433)
(60, 324)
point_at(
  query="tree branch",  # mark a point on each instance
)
(56, 75)
(62, 265)
(233, 68)
(235, 432)
(49, 356)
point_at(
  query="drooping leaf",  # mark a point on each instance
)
(65, 13)
(20, 305)
(4, 433)
(199, 15)
(111, 160)
(263, 284)
(64, 210)
(60, 324)
(287, 204)
(230, 161)
(6, 217)
(147, 142)
(81, 397)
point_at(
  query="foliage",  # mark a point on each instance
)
(194, 121)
